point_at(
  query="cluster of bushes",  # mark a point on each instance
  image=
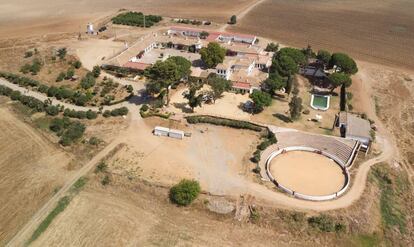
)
(224, 122)
(136, 19)
(25, 100)
(34, 68)
(325, 223)
(146, 111)
(185, 192)
(88, 81)
(19, 80)
(80, 114)
(59, 93)
(116, 112)
(68, 131)
(267, 140)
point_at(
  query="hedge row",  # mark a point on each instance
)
(59, 93)
(224, 122)
(116, 112)
(25, 100)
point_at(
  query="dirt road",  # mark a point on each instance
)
(24, 234)
(243, 13)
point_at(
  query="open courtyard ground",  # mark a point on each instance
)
(307, 173)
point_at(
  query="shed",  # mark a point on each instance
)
(161, 131)
(355, 128)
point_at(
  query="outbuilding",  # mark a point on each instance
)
(161, 131)
(178, 134)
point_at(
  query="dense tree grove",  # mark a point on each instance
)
(213, 54)
(69, 131)
(136, 19)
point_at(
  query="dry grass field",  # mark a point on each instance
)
(31, 168)
(26, 18)
(371, 30)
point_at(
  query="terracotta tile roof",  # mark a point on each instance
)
(135, 65)
(241, 85)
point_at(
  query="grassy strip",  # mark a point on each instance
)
(224, 122)
(60, 207)
(393, 189)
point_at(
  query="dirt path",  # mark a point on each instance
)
(243, 13)
(24, 234)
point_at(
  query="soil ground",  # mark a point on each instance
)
(374, 31)
(31, 169)
(307, 173)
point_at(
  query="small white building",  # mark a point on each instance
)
(161, 131)
(89, 28)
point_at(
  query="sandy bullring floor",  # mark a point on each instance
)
(307, 173)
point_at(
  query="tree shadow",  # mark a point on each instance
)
(183, 107)
(282, 117)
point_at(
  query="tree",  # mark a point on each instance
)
(193, 99)
(344, 63)
(308, 52)
(297, 55)
(286, 66)
(289, 84)
(88, 81)
(324, 56)
(70, 73)
(96, 71)
(233, 20)
(295, 107)
(185, 192)
(77, 64)
(61, 53)
(183, 66)
(339, 79)
(272, 84)
(272, 47)
(213, 54)
(219, 86)
(260, 100)
(204, 35)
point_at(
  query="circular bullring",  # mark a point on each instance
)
(307, 173)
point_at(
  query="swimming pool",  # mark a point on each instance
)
(320, 102)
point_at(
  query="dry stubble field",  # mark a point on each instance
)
(371, 30)
(31, 168)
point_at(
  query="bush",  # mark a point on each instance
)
(94, 141)
(15, 95)
(91, 114)
(60, 77)
(185, 192)
(77, 64)
(28, 54)
(106, 180)
(88, 81)
(136, 19)
(96, 71)
(325, 223)
(144, 108)
(101, 167)
(119, 111)
(52, 110)
(107, 113)
(61, 53)
(72, 133)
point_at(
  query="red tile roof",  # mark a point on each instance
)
(241, 85)
(135, 65)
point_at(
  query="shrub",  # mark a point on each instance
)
(119, 111)
(72, 133)
(28, 54)
(96, 71)
(107, 113)
(326, 224)
(91, 114)
(94, 141)
(77, 64)
(185, 192)
(43, 88)
(88, 81)
(144, 108)
(101, 167)
(52, 110)
(15, 95)
(61, 53)
(106, 180)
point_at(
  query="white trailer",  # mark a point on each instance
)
(178, 134)
(161, 131)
